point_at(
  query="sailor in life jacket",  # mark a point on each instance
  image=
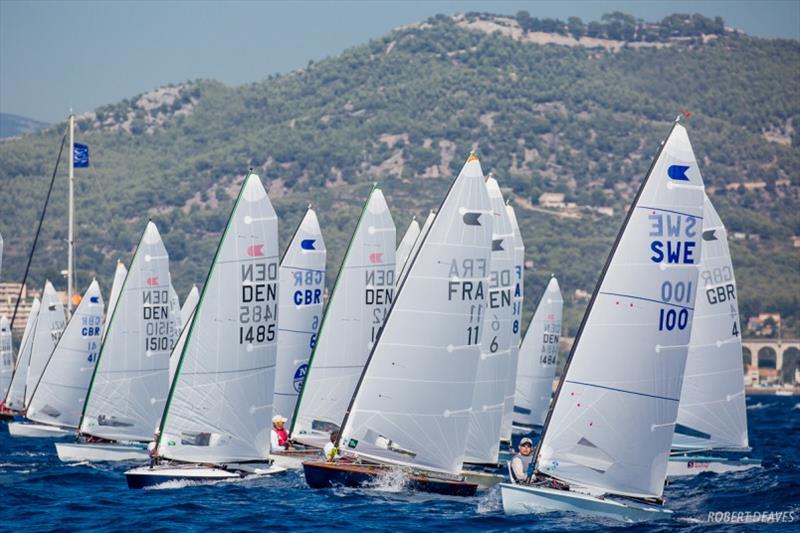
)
(279, 438)
(522, 463)
(330, 450)
(152, 447)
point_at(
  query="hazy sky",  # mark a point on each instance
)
(82, 54)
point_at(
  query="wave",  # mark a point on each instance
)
(758, 405)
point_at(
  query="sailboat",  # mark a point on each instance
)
(187, 309)
(488, 397)
(302, 279)
(423, 232)
(187, 314)
(216, 422)
(711, 433)
(405, 246)
(606, 439)
(357, 307)
(57, 401)
(129, 384)
(410, 409)
(6, 356)
(538, 358)
(517, 301)
(120, 273)
(14, 402)
(44, 336)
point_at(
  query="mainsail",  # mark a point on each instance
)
(187, 314)
(129, 385)
(174, 315)
(116, 288)
(538, 358)
(49, 325)
(611, 423)
(59, 396)
(6, 356)
(302, 275)
(413, 401)
(426, 226)
(405, 246)
(358, 305)
(517, 302)
(187, 309)
(488, 399)
(220, 402)
(712, 412)
(15, 398)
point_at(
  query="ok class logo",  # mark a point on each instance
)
(376, 257)
(307, 244)
(152, 281)
(678, 172)
(255, 250)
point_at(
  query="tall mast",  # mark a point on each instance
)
(70, 231)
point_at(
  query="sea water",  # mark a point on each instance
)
(39, 493)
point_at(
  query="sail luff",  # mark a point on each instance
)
(405, 246)
(15, 397)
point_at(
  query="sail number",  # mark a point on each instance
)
(155, 313)
(670, 228)
(258, 307)
(678, 292)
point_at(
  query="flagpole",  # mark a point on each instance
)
(70, 231)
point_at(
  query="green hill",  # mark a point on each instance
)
(548, 106)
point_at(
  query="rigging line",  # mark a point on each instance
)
(38, 230)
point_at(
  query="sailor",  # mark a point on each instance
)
(330, 449)
(522, 463)
(279, 437)
(152, 448)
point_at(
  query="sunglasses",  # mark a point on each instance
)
(526, 444)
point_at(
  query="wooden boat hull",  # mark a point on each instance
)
(526, 499)
(150, 476)
(321, 475)
(691, 465)
(97, 452)
(30, 429)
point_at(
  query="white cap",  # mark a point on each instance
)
(278, 418)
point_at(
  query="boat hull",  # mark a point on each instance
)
(484, 480)
(523, 499)
(29, 429)
(293, 460)
(686, 466)
(150, 476)
(321, 475)
(78, 452)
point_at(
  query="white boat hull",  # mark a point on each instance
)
(294, 460)
(28, 429)
(75, 452)
(149, 476)
(523, 499)
(484, 480)
(691, 466)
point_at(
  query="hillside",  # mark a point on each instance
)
(13, 125)
(547, 111)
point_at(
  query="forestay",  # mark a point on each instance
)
(129, 386)
(15, 398)
(58, 399)
(302, 275)
(361, 297)
(538, 357)
(220, 402)
(712, 412)
(413, 401)
(49, 325)
(614, 413)
(6, 356)
(517, 302)
(405, 246)
(116, 288)
(488, 399)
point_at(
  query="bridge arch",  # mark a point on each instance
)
(791, 362)
(767, 357)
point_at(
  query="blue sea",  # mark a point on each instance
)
(38, 493)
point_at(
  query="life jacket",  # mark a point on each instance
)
(283, 435)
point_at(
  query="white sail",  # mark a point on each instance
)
(413, 402)
(712, 412)
(302, 278)
(128, 389)
(15, 398)
(358, 305)
(220, 403)
(187, 313)
(49, 325)
(405, 246)
(488, 400)
(187, 309)
(614, 413)
(517, 302)
(174, 315)
(58, 399)
(116, 288)
(1, 254)
(6, 356)
(538, 358)
(426, 226)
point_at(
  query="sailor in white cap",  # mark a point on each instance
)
(522, 462)
(279, 438)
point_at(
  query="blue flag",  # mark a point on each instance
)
(80, 155)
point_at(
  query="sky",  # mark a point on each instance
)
(57, 56)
